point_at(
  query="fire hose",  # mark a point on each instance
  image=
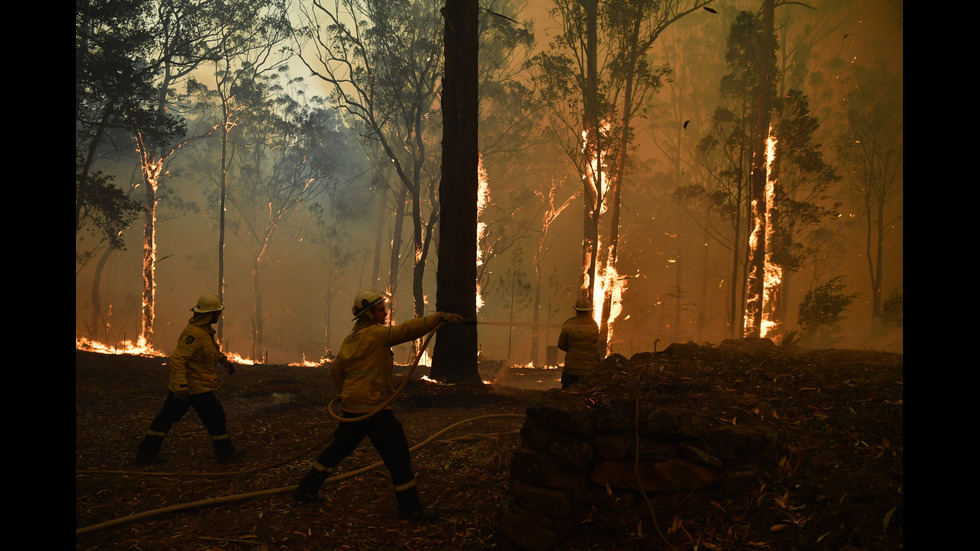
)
(237, 497)
(271, 491)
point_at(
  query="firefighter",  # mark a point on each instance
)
(193, 380)
(362, 375)
(579, 338)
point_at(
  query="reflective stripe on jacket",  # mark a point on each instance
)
(362, 369)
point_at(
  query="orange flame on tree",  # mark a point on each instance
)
(608, 281)
(482, 199)
(772, 273)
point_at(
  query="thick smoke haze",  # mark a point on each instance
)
(676, 276)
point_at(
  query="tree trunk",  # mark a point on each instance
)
(736, 299)
(379, 243)
(592, 180)
(222, 194)
(610, 260)
(258, 314)
(455, 354)
(418, 266)
(81, 195)
(149, 262)
(97, 325)
(396, 245)
(536, 317)
(757, 239)
(879, 258)
(328, 303)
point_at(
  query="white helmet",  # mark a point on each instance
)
(365, 301)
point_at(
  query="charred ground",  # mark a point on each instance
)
(839, 480)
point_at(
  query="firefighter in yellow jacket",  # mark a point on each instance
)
(193, 380)
(362, 374)
(579, 338)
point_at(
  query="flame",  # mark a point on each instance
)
(307, 363)
(607, 277)
(140, 348)
(428, 379)
(530, 365)
(773, 273)
(596, 170)
(152, 169)
(608, 280)
(482, 199)
(239, 359)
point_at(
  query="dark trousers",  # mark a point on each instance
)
(567, 380)
(386, 435)
(208, 409)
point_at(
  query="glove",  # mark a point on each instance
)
(451, 318)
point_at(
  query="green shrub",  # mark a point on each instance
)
(893, 309)
(822, 311)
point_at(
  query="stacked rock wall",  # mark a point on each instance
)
(607, 461)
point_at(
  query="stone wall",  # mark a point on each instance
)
(585, 460)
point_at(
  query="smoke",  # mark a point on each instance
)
(678, 286)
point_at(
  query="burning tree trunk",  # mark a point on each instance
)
(628, 30)
(455, 353)
(609, 272)
(640, 25)
(592, 179)
(151, 168)
(759, 178)
(771, 289)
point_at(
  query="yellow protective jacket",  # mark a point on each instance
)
(192, 363)
(579, 338)
(362, 369)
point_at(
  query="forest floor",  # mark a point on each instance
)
(838, 484)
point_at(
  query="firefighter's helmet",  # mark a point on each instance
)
(208, 303)
(365, 301)
(583, 305)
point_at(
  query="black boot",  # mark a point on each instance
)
(309, 486)
(410, 507)
(225, 451)
(148, 452)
